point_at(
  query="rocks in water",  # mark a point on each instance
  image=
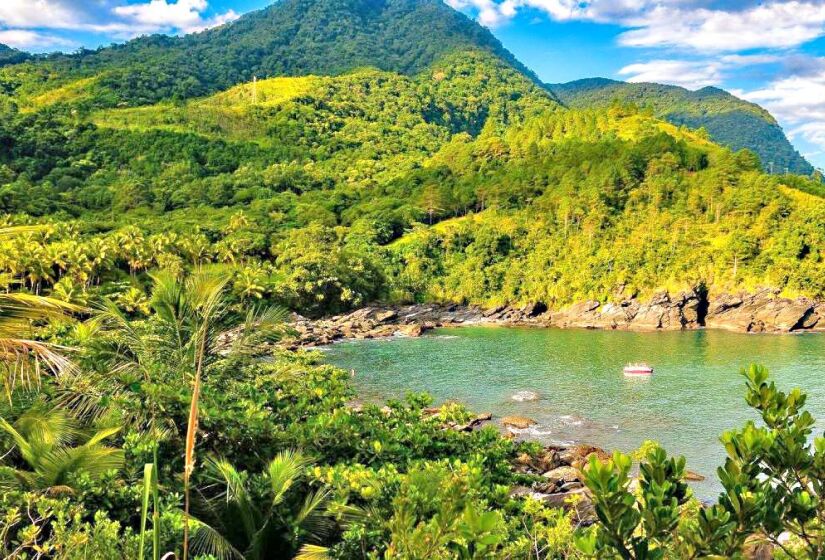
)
(563, 482)
(518, 422)
(377, 322)
(384, 316)
(663, 311)
(413, 330)
(525, 396)
(534, 309)
(577, 500)
(475, 424)
(579, 455)
(762, 311)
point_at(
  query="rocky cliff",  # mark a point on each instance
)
(760, 312)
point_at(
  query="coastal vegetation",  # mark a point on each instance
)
(156, 397)
(167, 203)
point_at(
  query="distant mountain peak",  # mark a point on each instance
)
(288, 38)
(729, 120)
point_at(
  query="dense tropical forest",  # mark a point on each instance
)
(168, 202)
(728, 120)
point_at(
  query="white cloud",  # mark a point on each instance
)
(39, 13)
(26, 40)
(701, 25)
(771, 25)
(686, 73)
(797, 100)
(184, 15)
(693, 73)
(115, 17)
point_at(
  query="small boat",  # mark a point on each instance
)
(638, 369)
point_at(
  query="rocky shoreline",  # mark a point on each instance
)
(760, 312)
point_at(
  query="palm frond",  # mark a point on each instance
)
(14, 231)
(313, 516)
(313, 552)
(21, 356)
(26, 449)
(55, 466)
(46, 428)
(25, 361)
(100, 435)
(284, 470)
(168, 297)
(11, 478)
(205, 290)
(235, 493)
(260, 325)
(207, 541)
(19, 307)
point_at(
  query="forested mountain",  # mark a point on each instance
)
(289, 38)
(465, 182)
(9, 55)
(728, 120)
(444, 169)
(162, 211)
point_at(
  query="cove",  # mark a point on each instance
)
(694, 395)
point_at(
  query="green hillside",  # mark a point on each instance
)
(163, 213)
(465, 182)
(289, 38)
(729, 120)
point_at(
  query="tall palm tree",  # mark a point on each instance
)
(23, 359)
(53, 447)
(237, 525)
(186, 334)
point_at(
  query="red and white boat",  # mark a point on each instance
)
(638, 369)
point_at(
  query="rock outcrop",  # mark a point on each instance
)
(559, 479)
(662, 312)
(378, 322)
(763, 311)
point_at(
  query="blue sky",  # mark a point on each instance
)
(771, 52)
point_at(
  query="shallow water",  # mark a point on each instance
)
(694, 395)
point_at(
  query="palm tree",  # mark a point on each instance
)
(22, 358)
(186, 334)
(54, 448)
(237, 525)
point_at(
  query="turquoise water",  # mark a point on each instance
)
(694, 395)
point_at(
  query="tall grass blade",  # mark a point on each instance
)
(155, 508)
(148, 475)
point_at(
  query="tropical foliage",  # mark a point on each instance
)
(728, 120)
(162, 215)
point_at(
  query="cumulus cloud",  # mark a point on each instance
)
(700, 25)
(119, 18)
(686, 73)
(770, 25)
(797, 100)
(693, 73)
(25, 39)
(184, 15)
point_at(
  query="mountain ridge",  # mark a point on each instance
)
(331, 37)
(729, 120)
(288, 38)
